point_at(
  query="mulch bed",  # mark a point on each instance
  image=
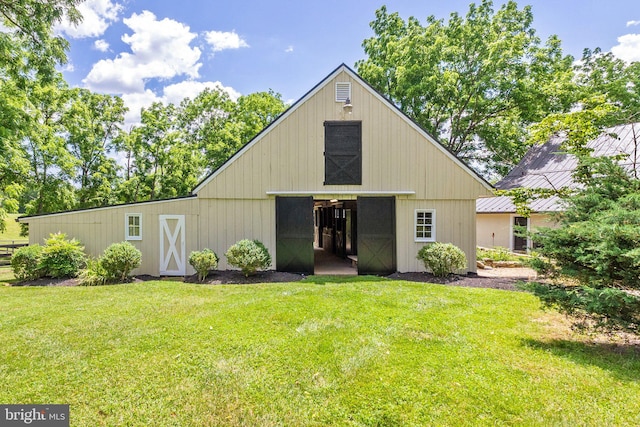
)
(235, 277)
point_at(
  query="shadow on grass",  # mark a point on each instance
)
(322, 280)
(621, 359)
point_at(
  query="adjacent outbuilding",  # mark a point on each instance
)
(342, 171)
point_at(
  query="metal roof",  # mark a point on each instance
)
(547, 166)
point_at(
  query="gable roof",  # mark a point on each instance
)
(547, 166)
(341, 68)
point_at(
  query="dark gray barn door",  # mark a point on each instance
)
(376, 235)
(343, 153)
(294, 234)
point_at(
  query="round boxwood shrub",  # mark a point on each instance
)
(442, 259)
(249, 256)
(203, 261)
(119, 260)
(62, 257)
(25, 263)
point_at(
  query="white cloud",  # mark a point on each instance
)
(172, 94)
(97, 15)
(221, 40)
(628, 47)
(632, 23)
(135, 101)
(101, 45)
(289, 49)
(160, 49)
(175, 93)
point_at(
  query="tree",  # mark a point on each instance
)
(91, 123)
(475, 82)
(30, 44)
(51, 166)
(219, 126)
(602, 74)
(598, 240)
(28, 51)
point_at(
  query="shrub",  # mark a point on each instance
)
(94, 273)
(119, 259)
(442, 258)
(62, 257)
(25, 263)
(248, 256)
(203, 261)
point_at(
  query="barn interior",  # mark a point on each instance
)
(335, 239)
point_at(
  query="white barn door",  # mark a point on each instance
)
(172, 245)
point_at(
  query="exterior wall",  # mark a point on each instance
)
(495, 229)
(225, 221)
(98, 228)
(395, 155)
(289, 159)
(455, 223)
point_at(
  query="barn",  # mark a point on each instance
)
(342, 172)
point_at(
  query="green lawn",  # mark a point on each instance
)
(320, 352)
(12, 233)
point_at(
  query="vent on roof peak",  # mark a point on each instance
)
(343, 91)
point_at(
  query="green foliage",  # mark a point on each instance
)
(476, 81)
(203, 261)
(249, 256)
(62, 257)
(119, 259)
(442, 258)
(497, 254)
(598, 239)
(607, 309)
(94, 274)
(25, 263)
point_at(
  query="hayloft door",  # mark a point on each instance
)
(376, 235)
(294, 234)
(172, 245)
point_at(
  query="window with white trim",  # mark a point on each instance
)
(133, 226)
(425, 225)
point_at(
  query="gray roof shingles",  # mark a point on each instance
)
(547, 166)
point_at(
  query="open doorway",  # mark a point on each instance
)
(336, 236)
(335, 240)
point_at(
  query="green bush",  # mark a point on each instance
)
(25, 263)
(442, 258)
(249, 256)
(119, 259)
(203, 261)
(93, 274)
(62, 257)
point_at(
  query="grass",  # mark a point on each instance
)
(12, 232)
(498, 254)
(356, 351)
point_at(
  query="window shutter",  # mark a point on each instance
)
(343, 153)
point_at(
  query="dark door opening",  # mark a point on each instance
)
(520, 224)
(335, 236)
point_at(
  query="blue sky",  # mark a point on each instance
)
(164, 50)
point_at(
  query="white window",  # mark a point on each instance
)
(343, 91)
(133, 226)
(425, 225)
